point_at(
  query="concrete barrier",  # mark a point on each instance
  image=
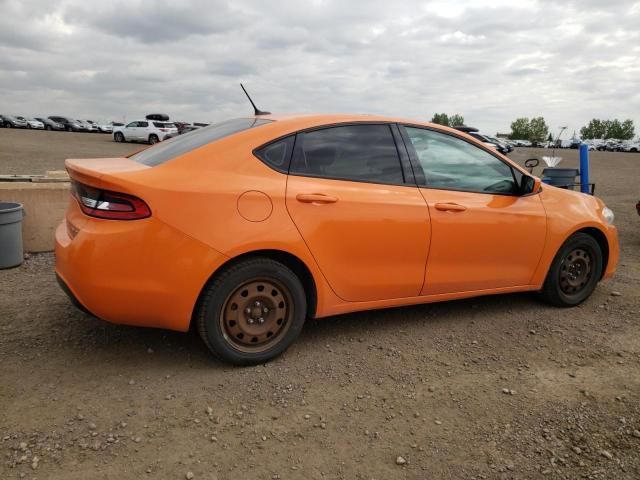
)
(45, 200)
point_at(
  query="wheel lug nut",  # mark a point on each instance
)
(257, 304)
(261, 320)
(250, 321)
(265, 310)
(247, 310)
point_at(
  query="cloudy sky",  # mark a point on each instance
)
(491, 61)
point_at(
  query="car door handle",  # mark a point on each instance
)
(315, 198)
(450, 207)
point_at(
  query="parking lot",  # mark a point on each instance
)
(493, 387)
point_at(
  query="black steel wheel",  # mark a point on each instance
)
(575, 271)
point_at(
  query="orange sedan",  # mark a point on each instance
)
(248, 227)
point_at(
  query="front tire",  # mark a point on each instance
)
(252, 312)
(574, 273)
(118, 137)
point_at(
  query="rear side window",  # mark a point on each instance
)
(362, 153)
(163, 125)
(277, 154)
(176, 146)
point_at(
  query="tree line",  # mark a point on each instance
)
(608, 129)
(536, 129)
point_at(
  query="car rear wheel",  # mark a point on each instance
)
(153, 139)
(252, 312)
(118, 137)
(575, 272)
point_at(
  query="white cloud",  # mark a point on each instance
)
(461, 38)
(491, 61)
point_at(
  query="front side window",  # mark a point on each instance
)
(363, 153)
(132, 124)
(450, 163)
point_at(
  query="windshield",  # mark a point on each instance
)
(182, 144)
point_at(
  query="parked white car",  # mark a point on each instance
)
(150, 131)
(102, 127)
(631, 147)
(32, 123)
(90, 127)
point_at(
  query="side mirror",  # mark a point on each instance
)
(530, 185)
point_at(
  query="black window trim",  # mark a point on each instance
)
(401, 149)
(421, 178)
(285, 167)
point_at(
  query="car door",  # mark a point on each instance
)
(485, 235)
(142, 131)
(130, 131)
(359, 211)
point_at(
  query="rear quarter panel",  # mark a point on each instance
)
(198, 195)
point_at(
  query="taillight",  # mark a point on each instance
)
(100, 203)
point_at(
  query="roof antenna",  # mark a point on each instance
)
(256, 110)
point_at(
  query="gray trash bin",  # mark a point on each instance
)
(11, 215)
(560, 177)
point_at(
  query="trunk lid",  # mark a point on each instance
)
(108, 173)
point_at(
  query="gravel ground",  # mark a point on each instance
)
(493, 387)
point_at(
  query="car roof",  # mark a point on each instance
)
(311, 120)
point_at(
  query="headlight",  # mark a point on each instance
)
(608, 215)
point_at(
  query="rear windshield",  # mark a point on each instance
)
(176, 146)
(164, 125)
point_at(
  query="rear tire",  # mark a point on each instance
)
(153, 139)
(574, 273)
(251, 312)
(118, 137)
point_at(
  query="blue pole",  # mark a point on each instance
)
(584, 168)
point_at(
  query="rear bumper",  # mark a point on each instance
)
(166, 135)
(65, 288)
(141, 272)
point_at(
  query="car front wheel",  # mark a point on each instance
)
(575, 272)
(252, 311)
(118, 137)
